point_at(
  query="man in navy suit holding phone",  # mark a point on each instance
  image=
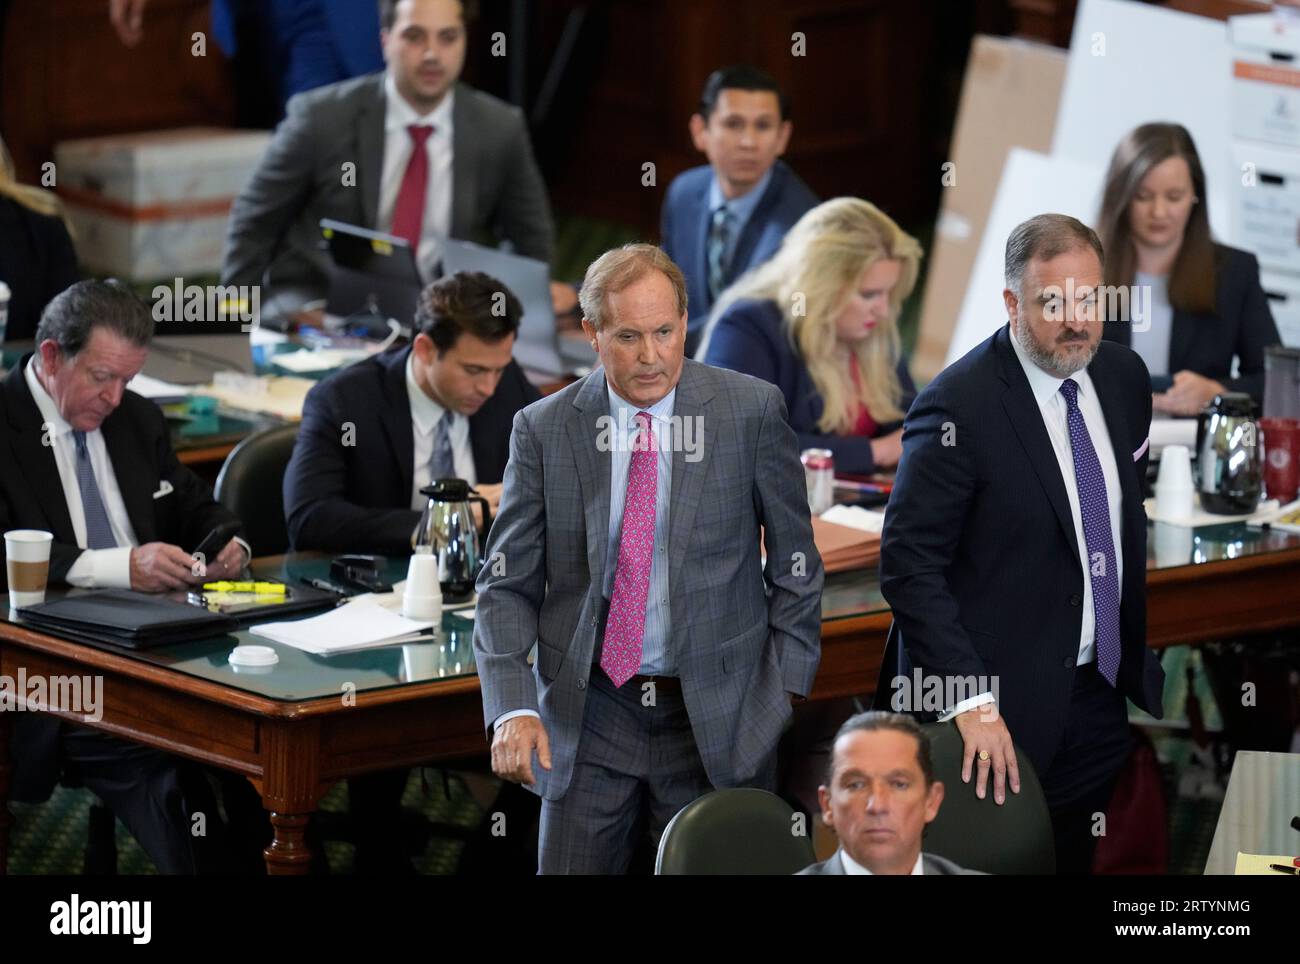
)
(1014, 548)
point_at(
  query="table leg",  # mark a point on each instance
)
(6, 781)
(289, 852)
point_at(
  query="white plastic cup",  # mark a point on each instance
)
(1174, 489)
(422, 599)
(27, 565)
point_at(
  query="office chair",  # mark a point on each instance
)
(250, 486)
(736, 831)
(1015, 838)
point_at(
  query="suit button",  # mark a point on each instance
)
(582, 683)
(1076, 599)
(594, 620)
(1069, 662)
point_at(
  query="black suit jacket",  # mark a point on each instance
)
(139, 446)
(1242, 325)
(979, 558)
(356, 498)
(37, 261)
(31, 497)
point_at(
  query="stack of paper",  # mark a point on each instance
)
(843, 547)
(282, 396)
(157, 389)
(344, 630)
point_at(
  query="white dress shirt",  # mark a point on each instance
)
(398, 115)
(425, 415)
(104, 568)
(854, 869)
(1052, 406)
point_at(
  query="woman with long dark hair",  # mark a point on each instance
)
(1206, 306)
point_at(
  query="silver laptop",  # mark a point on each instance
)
(538, 346)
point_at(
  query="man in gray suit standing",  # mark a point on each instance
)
(627, 548)
(409, 151)
(879, 794)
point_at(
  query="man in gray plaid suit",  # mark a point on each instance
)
(627, 548)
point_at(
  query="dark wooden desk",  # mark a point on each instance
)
(312, 722)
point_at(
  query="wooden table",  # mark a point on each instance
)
(378, 710)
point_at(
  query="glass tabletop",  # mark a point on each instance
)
(301, 676)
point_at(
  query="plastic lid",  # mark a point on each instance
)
(253, 656)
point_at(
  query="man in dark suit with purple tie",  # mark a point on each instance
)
(1014, 548)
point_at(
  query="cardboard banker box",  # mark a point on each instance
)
(154, 206)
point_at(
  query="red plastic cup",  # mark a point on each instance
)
(1281, 458)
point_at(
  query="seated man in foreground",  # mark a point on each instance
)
(879, 796)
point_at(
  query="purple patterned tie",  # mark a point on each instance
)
(620, 657)
(1099, 561)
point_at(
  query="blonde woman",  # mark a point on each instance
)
(820, 321)
(37, 260)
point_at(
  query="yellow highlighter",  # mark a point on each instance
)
(261, 588)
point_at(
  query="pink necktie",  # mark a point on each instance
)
(408, 212)
(620, 657)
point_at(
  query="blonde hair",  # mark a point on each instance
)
(616, 269)
(811, 278)
(37, 199)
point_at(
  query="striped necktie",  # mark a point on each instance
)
(99, 532)
(442, 463)
(719, 234)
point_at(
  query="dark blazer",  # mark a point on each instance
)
(979, 558)
(931, 864)
(749, 337)
(496, 186)
(31, 497)
(685, 232)
(1242, 326)
(356, 498)
(37, 261)
(139, 446)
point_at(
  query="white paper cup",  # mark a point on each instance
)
(423, 596)
(27, 565)
(1174, 489)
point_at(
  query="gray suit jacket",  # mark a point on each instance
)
(932, 865)
(742, 634)
(497, 189)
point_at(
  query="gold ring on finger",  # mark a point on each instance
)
(984, 756)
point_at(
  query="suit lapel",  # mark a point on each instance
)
(396, 418)
(464, 164)
(1027, 420)
(130, 466)
(693, 393)
(36, 459)
(756, 224)
(584, 428)
(370, 149)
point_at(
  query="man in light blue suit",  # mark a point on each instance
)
(627, 548)
(723, 218)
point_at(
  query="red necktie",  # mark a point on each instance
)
(408, 212)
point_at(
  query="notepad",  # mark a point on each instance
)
(1258, 864)
(344, 630)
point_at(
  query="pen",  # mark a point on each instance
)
(323, 586)
(1284, 869)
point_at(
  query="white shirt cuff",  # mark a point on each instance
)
(248, 551)
(102, 569)
(512, 714)
(967, 704)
